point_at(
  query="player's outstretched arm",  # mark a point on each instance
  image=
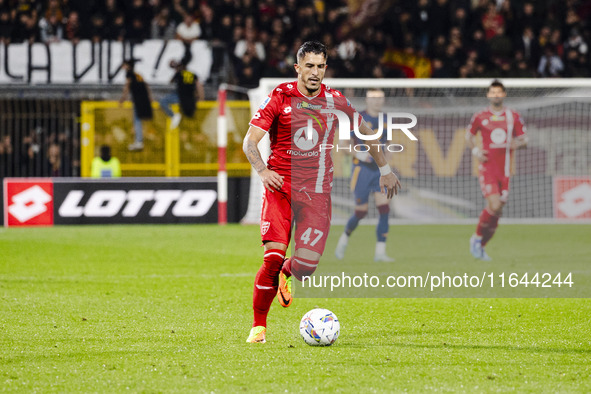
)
(271, 180)
(389, 182)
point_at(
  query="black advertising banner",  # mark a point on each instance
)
(47, 201)
(134, 201)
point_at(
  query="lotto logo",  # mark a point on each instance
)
(572, 197)
(28, 203)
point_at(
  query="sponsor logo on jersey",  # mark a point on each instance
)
(305, 138)
(110, 203)
(305, 105)
(264, 104)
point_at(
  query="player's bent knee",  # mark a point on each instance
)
(360, 214)
(384, 209)
(301, 267)
(497, 208)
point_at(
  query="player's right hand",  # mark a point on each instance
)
(483, 156)
(271, 180)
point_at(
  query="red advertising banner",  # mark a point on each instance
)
(28, 202)
(572, 197)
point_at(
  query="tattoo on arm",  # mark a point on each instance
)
(254, 155)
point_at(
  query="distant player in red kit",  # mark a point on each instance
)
(502, 132)
(298, 177)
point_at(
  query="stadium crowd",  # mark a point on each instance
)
(455, 38)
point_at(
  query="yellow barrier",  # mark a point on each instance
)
(189, 150)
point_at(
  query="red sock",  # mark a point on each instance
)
(287, 267)
(265, 285)
(492, 227)
(486, 225)
(301, 267)
(298, 268)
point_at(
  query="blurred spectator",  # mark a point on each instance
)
(110, 10)
(576, 42)
(250, 41)
(439, 69)
(115, 29)
(73, 27)
(141, 96)
(162, 26)
(135, 32)
(248, 68)
(209, 29)
(105, 166)
(53, 8)
(439, 23)
(6, 26)
(500, 45)
(576, 65)
(188, 31)
(51, 29)
(98, 28)
(529, 17)
(527, 44)
(188, 91)
(26, 30)
(138, 20)
(492, 21)
(550, 64)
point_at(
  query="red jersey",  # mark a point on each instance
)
(301, 134)
(493, 128)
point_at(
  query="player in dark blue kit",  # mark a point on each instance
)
(365, 179)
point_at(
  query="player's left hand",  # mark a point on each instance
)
(389, 184)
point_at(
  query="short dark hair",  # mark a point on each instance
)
(497, 84)
(315, 47)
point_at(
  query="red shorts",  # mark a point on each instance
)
(310, 212)
(492, 182)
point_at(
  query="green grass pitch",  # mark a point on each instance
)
(168, 309)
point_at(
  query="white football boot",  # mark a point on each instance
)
(341, 246)
(381, 255)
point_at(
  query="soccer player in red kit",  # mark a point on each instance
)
(298, 177)
(502, 131)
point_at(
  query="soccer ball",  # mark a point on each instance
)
(320, 327)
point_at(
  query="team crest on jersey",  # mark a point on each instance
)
(498, 136)
(265, 227)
